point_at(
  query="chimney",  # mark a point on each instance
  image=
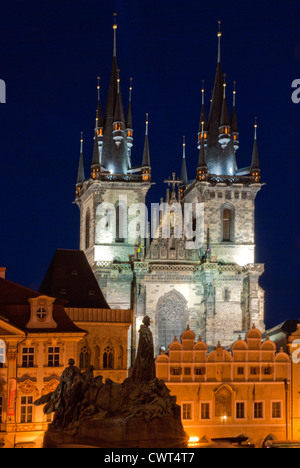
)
(2, 272)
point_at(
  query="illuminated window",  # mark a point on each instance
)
(120, 221)
(27, 357)
(26, 409)
(240, 410)
(87, 229)
(53, 356)
(85, 357)
(254, 370)
(2, 353)
(258, 410)
(186, 411)
(226, 295)
(176, 371)
(227, 225)
(108, 358)
(41, 313)
(96, 357)
(276, 409)
(205, 411)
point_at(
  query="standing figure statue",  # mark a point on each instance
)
(144, 365)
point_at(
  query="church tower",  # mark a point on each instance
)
(212, 286)
(111, 198)
(232, 298)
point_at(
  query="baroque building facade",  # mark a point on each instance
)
(198, 270)
(41, 330)
(241, 395)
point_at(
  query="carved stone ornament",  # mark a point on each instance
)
(28, 387)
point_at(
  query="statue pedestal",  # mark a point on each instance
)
(164, 432)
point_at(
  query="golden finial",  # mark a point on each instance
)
(130, 89)
(115, 35)
(224, 84)
(115, 21)
(147, 122)
(81, 142)
(234, 93)
(255, 127)
(118, 80)
(98, 87)
(219, 42)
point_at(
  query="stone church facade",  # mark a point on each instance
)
(205, 277)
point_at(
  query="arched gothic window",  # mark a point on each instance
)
(227, 224)
(120, 223)
(96, 357)
(108, 358)
(87, 229)
(172, 316)
(85, 357)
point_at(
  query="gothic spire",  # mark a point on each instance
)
(224, 129)
(146, 167)
(233, 122)
(220, 160)
(202, 119)
(99, 116)
(95, 166)
(202, 164)
(80, 174)
(114, 157)
(183, 174)
(255, 169)
(129, 113)
(129, 129)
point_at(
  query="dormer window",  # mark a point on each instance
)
(41, 313)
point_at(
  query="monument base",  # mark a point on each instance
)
(163, 432)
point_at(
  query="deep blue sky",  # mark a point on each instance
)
(51, 54)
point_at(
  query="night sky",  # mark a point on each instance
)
(51, 54)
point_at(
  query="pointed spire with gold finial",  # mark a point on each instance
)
(128, 120)
(224, 129)
(80, 174)
(220, 159)
(183, 173)
(99, 120)
(233, 122)
(255, 169)
(146, 167)
(114, 157)
(202, 119)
